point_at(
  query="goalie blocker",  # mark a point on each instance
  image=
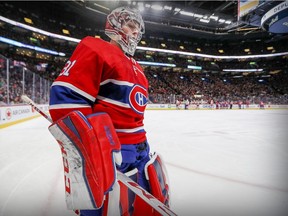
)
(90, 148)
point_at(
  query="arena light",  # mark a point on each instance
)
(210, 56)
(22, 45)
(198, 15)
(186, 13)
(148, 5)
(270, 48)
(242, 70)
(214, 17)
(204, 20)
(21, 25)
(101, 6)
(157, 7)
(275, 72)
(194, 67)
(65, 31)
(167, 7)
(143, 48)
(265, 76)
(247, 29)
(156, 64)
(177, 9)
(28, 20)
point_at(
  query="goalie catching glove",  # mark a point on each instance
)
(90, 148)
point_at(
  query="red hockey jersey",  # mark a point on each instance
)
(99, 77)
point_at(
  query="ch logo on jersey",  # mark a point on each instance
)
(138, 99)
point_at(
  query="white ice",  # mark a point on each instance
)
(220, 162)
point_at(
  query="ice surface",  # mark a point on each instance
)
(220, 162)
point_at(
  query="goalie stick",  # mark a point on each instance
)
(129, 183)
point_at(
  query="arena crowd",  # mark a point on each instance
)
(167, 84)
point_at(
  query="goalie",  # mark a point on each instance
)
(97, 104)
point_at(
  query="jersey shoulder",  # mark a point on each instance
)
(98, 45)
(91, 42)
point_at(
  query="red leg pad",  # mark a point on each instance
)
(87, 146)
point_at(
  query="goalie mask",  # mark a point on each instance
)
(130, 18)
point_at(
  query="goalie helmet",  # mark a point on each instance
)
(114, 28)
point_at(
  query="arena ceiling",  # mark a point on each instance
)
(212, 20)
(215, 21)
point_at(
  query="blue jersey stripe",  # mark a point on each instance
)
(64, 95)
(116, 92)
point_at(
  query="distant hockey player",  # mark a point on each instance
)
(217, 104)
(231, 105)
(178, 103)
(187, 103)
(97, 104)
(261, 105)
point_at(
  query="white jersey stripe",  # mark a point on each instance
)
(130, 130)
(113, 102)
(116, 82)
(68, 106)
(74, 88)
